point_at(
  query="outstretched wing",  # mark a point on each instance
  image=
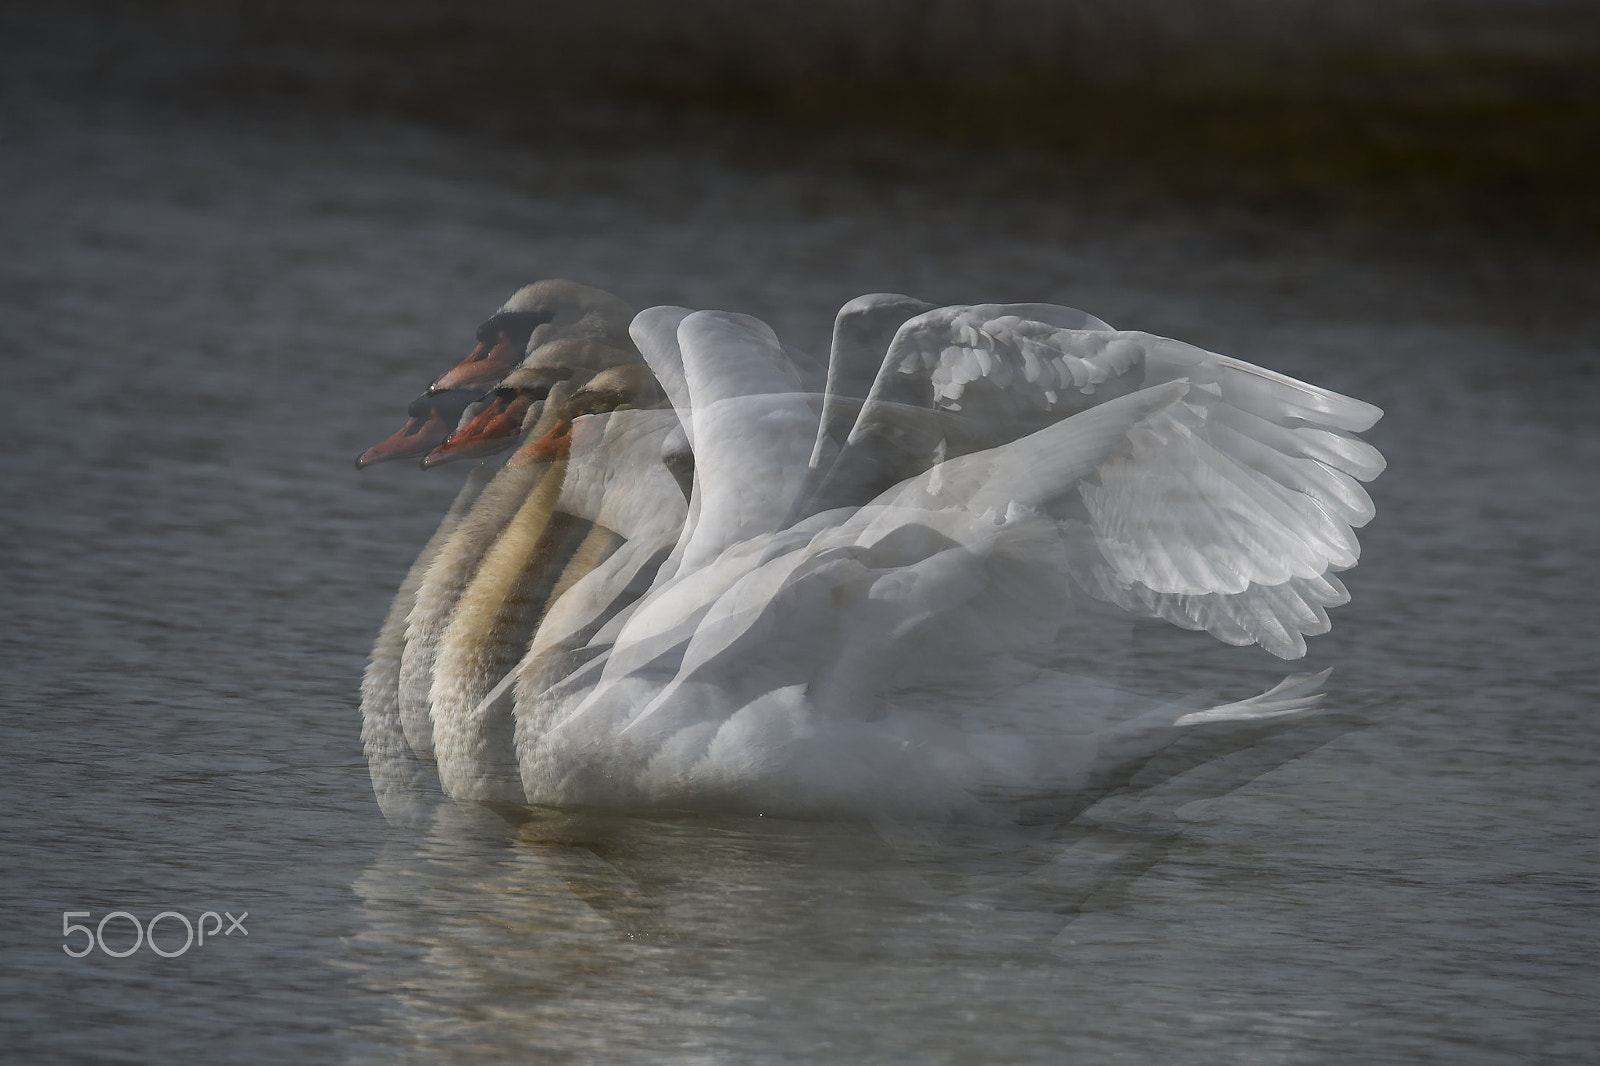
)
(1205, 491)
(1229, 518)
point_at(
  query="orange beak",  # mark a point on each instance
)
(490, 361)
(493, 430)
(432, 416)
(554, 445)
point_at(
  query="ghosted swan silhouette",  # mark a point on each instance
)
(884, 597)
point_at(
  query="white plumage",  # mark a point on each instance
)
(852, 610)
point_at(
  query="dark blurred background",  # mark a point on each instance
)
(1477, 115)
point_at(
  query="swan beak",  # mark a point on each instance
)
(492, 430)
(432, 417)
(417, 437)
(550, 447)
(489, 362)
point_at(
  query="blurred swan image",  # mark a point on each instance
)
(716, 574)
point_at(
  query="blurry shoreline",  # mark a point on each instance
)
(1466, 114)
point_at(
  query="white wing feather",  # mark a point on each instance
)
(753, 430)
(1208, 492)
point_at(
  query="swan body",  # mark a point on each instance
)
(862, 593)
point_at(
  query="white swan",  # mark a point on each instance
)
(865, 604)
(558, 330)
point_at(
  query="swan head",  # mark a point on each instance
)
(617, 388)
(536, 315)
(430, 419)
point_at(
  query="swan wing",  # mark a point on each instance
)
(655, 332)
(1005, 367)
(1223, 505)
(861, 334)
(753, 426)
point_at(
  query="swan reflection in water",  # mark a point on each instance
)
(703, 937)
(715, 574)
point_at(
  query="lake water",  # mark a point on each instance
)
(204, 319)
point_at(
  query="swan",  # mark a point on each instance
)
(396, 734)
(855, 592)
(558, 329)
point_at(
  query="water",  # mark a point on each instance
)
(205, 319)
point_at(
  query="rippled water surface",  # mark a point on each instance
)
(203, 321)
